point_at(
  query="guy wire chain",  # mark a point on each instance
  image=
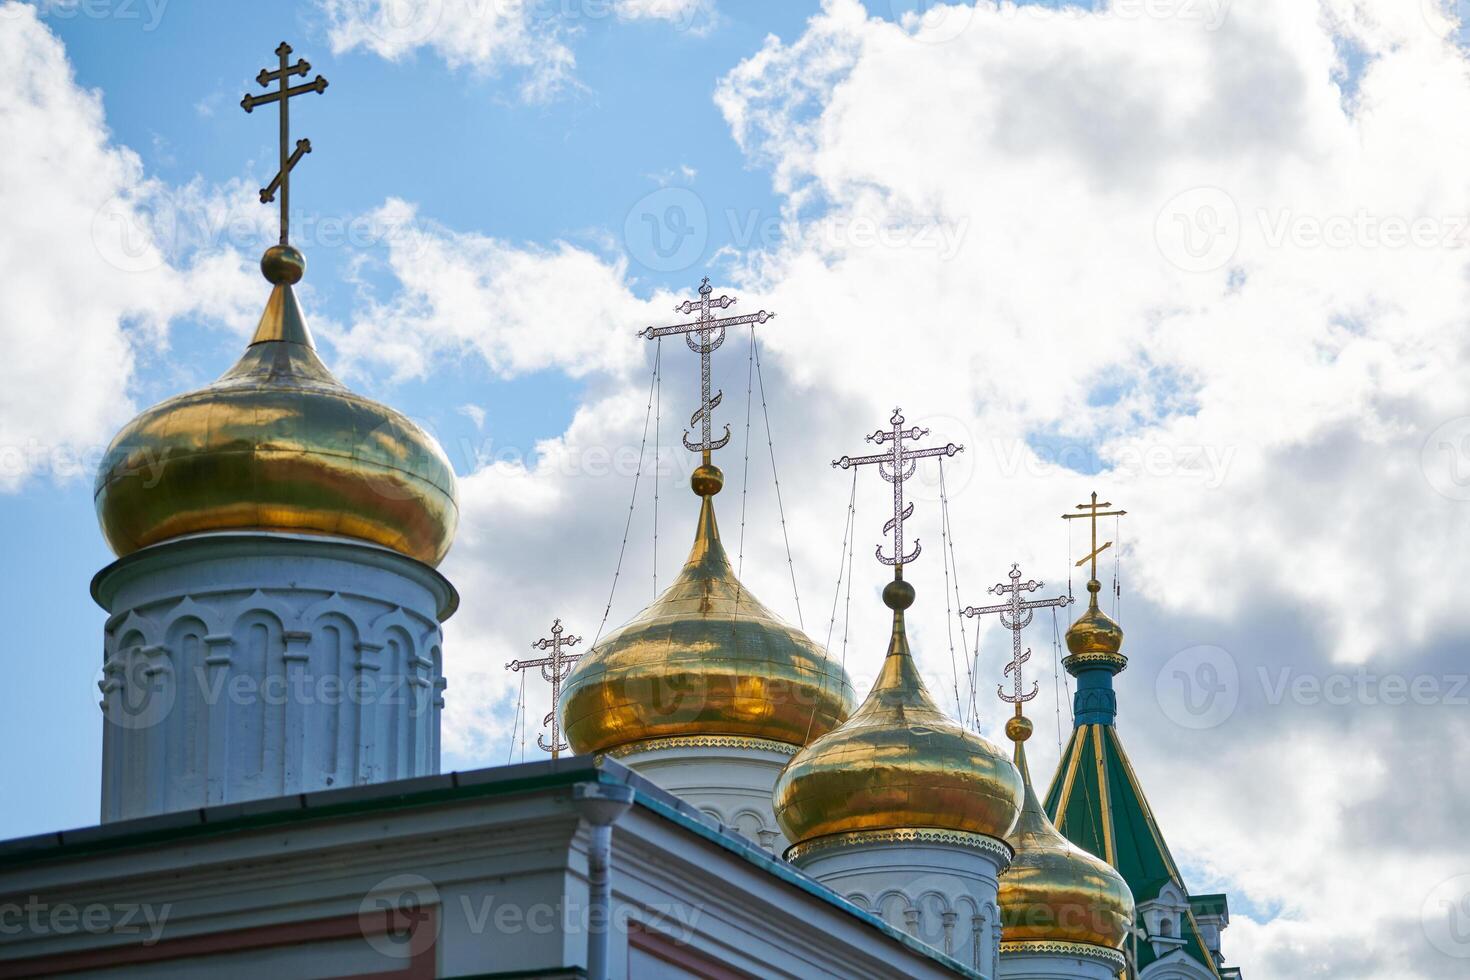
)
(843, 559)
(1056, 672)
(1117, 585)
(944, 530)
(658, 409)
(847, 602)
(516, 722)
(744, 482)
(972, 674)
(745, 472)
(637, 478)
(780, 507)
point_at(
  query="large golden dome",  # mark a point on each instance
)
(1095, 639)
(277, 444)
(705, 659)
(1055, 892)
(899, 763)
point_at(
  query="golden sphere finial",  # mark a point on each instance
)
(707, 480)
(1018, 728)
(283, 265)
(898, 595)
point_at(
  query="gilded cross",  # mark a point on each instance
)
(896, 466)
(1093, 511)
(283, 94)
(704, 336)
(554, 669)
(1015, 615)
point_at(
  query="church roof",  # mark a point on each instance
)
(1097, 802)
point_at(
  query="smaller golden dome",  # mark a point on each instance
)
(1054, 891)
(277, 444)
(899, 763)
(705, 659)
(1094, 637)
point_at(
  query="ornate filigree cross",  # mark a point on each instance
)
(711, 334)
(896, 466)
(554, 669)
(1093, 511)
(289, 158)
(1015, 615)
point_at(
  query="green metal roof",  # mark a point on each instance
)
(1096, 801)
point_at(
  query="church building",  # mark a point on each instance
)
(272, 800)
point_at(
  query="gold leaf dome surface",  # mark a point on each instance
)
(705, 659)
(277, 443)
(1095, 637)
(898, 763)
(1055, 891)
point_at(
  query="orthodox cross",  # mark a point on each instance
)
(896, 466)
(1015, 615)
(711, 334)
(1093, 511)
(554, 669)
(283, 95)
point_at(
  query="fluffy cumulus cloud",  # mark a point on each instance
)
(519, 309)
(528, 39)
(1208, 258)
(93, 261)
(685, 15)
(490, 36)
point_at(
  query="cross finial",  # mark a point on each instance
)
(710, 335)
(896, 466)
(1093, 511)
(283, 94)
(1015, 615)
(554, 670)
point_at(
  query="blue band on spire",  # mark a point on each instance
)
(1095, 702)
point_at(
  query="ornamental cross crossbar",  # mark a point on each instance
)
(283, 94)
(1015, 615)
(1093, 511)
(896, 466)
(704, 336)
(554, 669)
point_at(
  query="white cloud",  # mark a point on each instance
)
(88, 245)
(520, 309)
(698, 16)
(981, 225)
(488, 35)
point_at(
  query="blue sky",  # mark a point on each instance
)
(465, 148)
(1143, 248)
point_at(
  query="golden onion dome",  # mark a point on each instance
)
(706, 659)
(899, 763)
(1094, 639)
(1055, 892)
(279, 444)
